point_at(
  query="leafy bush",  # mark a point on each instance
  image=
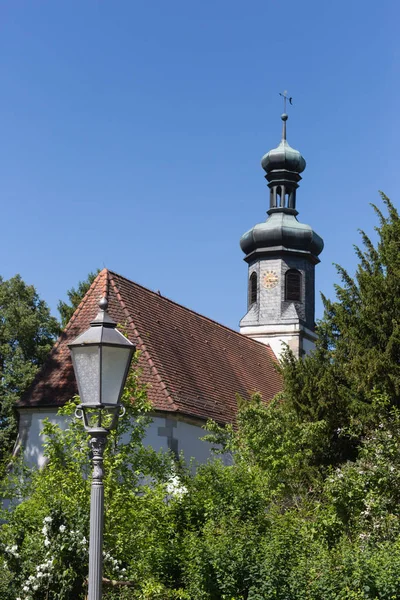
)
(44, 538)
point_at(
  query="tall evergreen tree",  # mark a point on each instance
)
(357, 354)
(27, 333)
(75, 296)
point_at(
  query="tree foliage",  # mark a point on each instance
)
(27, 333)
(75, 295)
(358, 348)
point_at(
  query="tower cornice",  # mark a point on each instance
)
(279, 251)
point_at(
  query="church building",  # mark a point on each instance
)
(194, 366)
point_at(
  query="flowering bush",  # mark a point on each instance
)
(175, 489)
(226, 532)
(44, 540)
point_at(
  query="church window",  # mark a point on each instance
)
(293, 285)
(253, 288)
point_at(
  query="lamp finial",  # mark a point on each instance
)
(103, 303)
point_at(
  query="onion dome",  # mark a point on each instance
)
(282, 231)
(284, 157)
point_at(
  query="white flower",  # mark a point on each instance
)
(47, 542)
(12, 550)
(44, 530)
(25, 588)
(47, 520)
(175, 488)
(62, 528)
(35, 587)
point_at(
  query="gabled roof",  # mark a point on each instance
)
(195, 366)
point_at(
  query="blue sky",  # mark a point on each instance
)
(132, 133)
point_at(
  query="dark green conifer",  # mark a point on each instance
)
(357, 354)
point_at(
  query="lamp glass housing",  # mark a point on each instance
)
(115, 362)
(101, 372)
(87, 365)
(101, 357)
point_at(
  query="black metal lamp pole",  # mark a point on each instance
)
(101, 357)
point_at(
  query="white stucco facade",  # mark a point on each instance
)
(299, 338)
(165, 432)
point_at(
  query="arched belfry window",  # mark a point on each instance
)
(293, 285)
(253, 288)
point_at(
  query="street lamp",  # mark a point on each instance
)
(101, 357)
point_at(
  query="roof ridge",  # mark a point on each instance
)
(76, 312)
(242, 337)
(103, 274)
(146, 353)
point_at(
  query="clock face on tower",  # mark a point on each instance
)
(270, 279)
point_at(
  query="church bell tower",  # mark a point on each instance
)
(281, 253)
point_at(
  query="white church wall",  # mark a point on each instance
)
(191, 444)
(163, 433)
(279, 342)
(29, 438)
(292, 334)
(275, 337)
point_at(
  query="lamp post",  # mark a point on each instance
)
(101, 357)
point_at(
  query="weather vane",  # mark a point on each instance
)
(285, 97)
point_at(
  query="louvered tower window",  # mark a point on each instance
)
(253, 288)
(293, 285)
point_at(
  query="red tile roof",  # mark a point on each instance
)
(195, 366)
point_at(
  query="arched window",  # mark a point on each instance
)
(293, 285)
(253, 288)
